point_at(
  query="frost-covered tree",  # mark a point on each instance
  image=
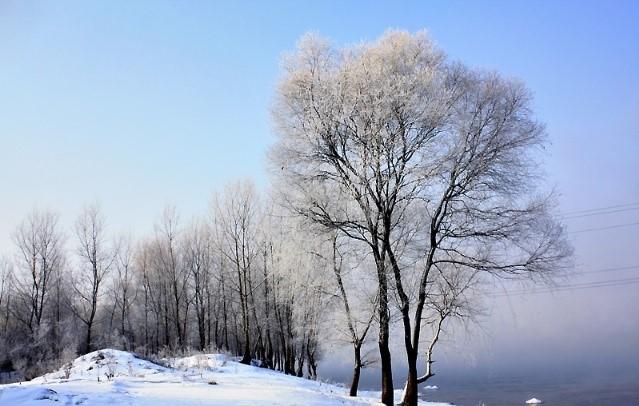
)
(34, 327)
(6, 280)
(236, 218)
(434, 161)
(173, 275)
(40, 258)
(124, 288)
(96, 258)
(300, 303)
(358, 305)
(197, 253)
(146, 300)
(452, 296)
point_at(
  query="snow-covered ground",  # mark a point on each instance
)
(110, 377)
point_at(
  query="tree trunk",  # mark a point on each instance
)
(386, 369)
(356, 370)
(384, 327)
(87, 343)
(246, 358)
(411, 389)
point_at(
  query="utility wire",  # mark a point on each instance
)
(574, 286)
(583, 285)
(598, 213)
(605, 270)
(617, 206)
(587, 230)
(571, 289)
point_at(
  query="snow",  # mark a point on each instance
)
(534, 401)
(109, 377)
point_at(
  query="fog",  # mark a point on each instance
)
(556, 335)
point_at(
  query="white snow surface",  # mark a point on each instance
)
(211, 379)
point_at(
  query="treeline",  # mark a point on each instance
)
(242, 279)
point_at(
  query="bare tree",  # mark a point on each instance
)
(6, 276)
(197, 251)
(142, 278)
(357, 328)
(124, 289)
(236, 220)
(269, 261)
(173, 273)
(300, 301)
(434, 161)
(451, 297)
(39, 243)
(96, 260)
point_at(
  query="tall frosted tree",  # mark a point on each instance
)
(433, 162)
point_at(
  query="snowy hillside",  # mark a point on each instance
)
(109, 377)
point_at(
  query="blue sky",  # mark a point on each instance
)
(136, 105)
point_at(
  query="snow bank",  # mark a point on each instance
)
(103, 365)
(109, 377)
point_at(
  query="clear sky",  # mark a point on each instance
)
(138, 104)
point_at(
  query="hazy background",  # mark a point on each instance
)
(136, 106)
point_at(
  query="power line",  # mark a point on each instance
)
(575, 286)
(605, 208)
(604, 270)
(604, 228)
(599, 213)
(582, 285)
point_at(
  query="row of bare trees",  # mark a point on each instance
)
(241, 279)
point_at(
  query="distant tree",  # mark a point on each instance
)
(124, 288)
(142, 278)
(173, 273)
(96, 260)
(39, 241)
(198, 259)
(300, 300)
(236, 218)
(6, 276)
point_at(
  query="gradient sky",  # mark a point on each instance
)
(136, 105)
